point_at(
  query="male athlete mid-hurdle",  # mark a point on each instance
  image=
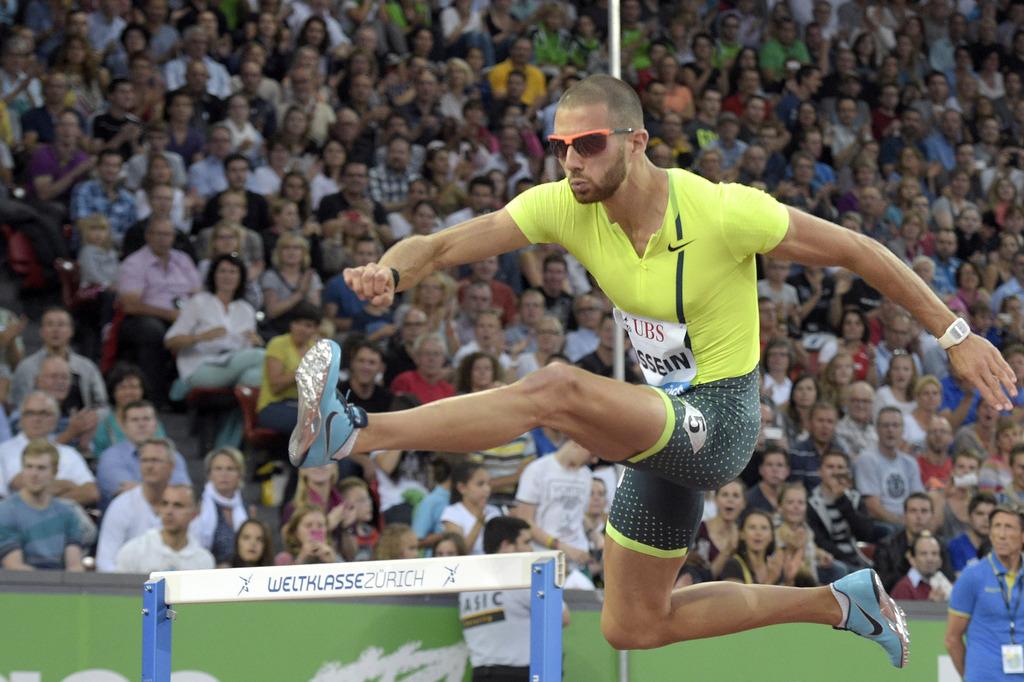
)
(676, 255)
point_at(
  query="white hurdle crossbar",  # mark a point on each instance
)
(542, 572)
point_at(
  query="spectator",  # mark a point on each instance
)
(995, 473)
(886, 475)
(354, 195)
(215, 342)
(105, 196)
(170, 547)
(978, 623)
(426, 516)
(289, 282)
(426, 382)
(120, 466)
(796, 417)
(855, 432)
(278, 404)
(494, 623)
(317, 487)
(934, 461)
(519, 57)
(980, 436)
(77, 424)
(397, 541)
(550, 343)
(236, 171)
(56, 330)
(195, 48)
(341, 305)
(39, 125)
(853, 339)
(126, 385)
(924, 581)
(357, 527)
(602, 360)
(584, 339)
(365, 364)
(450, 545)
(137, 508)
(776, 363)
(970, 546)
(468, 510)
(143, 166)
(891, 561)
(207, 176)
(718, 537)
(1013, 494)
(553, 496)
(389, 182)
(488, 337)
(756, 560)
(151, 282)
(898, 385)
(952, 517)
(253, 546)
(805, 455)
(57, 168)
(37, 530)
(221, 510)
(773, 472)
(836, 378)
(74, 482)
(117, 129)
(837, 515)
(503, 297)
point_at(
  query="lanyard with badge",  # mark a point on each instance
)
(1013, 653)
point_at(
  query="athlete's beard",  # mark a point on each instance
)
(609, 184)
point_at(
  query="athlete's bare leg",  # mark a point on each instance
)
(647, 613)
(611, 418)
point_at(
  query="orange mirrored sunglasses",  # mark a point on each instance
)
(588, 143)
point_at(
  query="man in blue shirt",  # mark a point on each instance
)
(119, 469)
(985, 606)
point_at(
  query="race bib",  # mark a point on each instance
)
(665, 358)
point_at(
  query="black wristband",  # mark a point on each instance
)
(394, 273)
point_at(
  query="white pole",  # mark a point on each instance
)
(615, 67)
(619, 365)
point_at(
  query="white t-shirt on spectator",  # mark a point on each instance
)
(148, 553)
(127, 517)
(561, 495)
(460, 516)
(70, 467)
(890, 480)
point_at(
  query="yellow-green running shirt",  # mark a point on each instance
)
(690, 302)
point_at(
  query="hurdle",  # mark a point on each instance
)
(543, 573)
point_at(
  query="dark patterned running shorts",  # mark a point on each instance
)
(708, 439)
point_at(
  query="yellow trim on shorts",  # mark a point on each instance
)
(666, 433)
(640, 547)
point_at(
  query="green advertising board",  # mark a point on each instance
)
(96, 638)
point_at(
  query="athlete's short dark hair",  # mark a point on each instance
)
(624, 109)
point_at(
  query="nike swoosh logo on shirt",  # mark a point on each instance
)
(679, 247)
(874, 623)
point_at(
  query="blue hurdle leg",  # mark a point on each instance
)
(156, 633)
(545, 624)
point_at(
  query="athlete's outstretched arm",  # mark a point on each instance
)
(813, 241)
(417, 256)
